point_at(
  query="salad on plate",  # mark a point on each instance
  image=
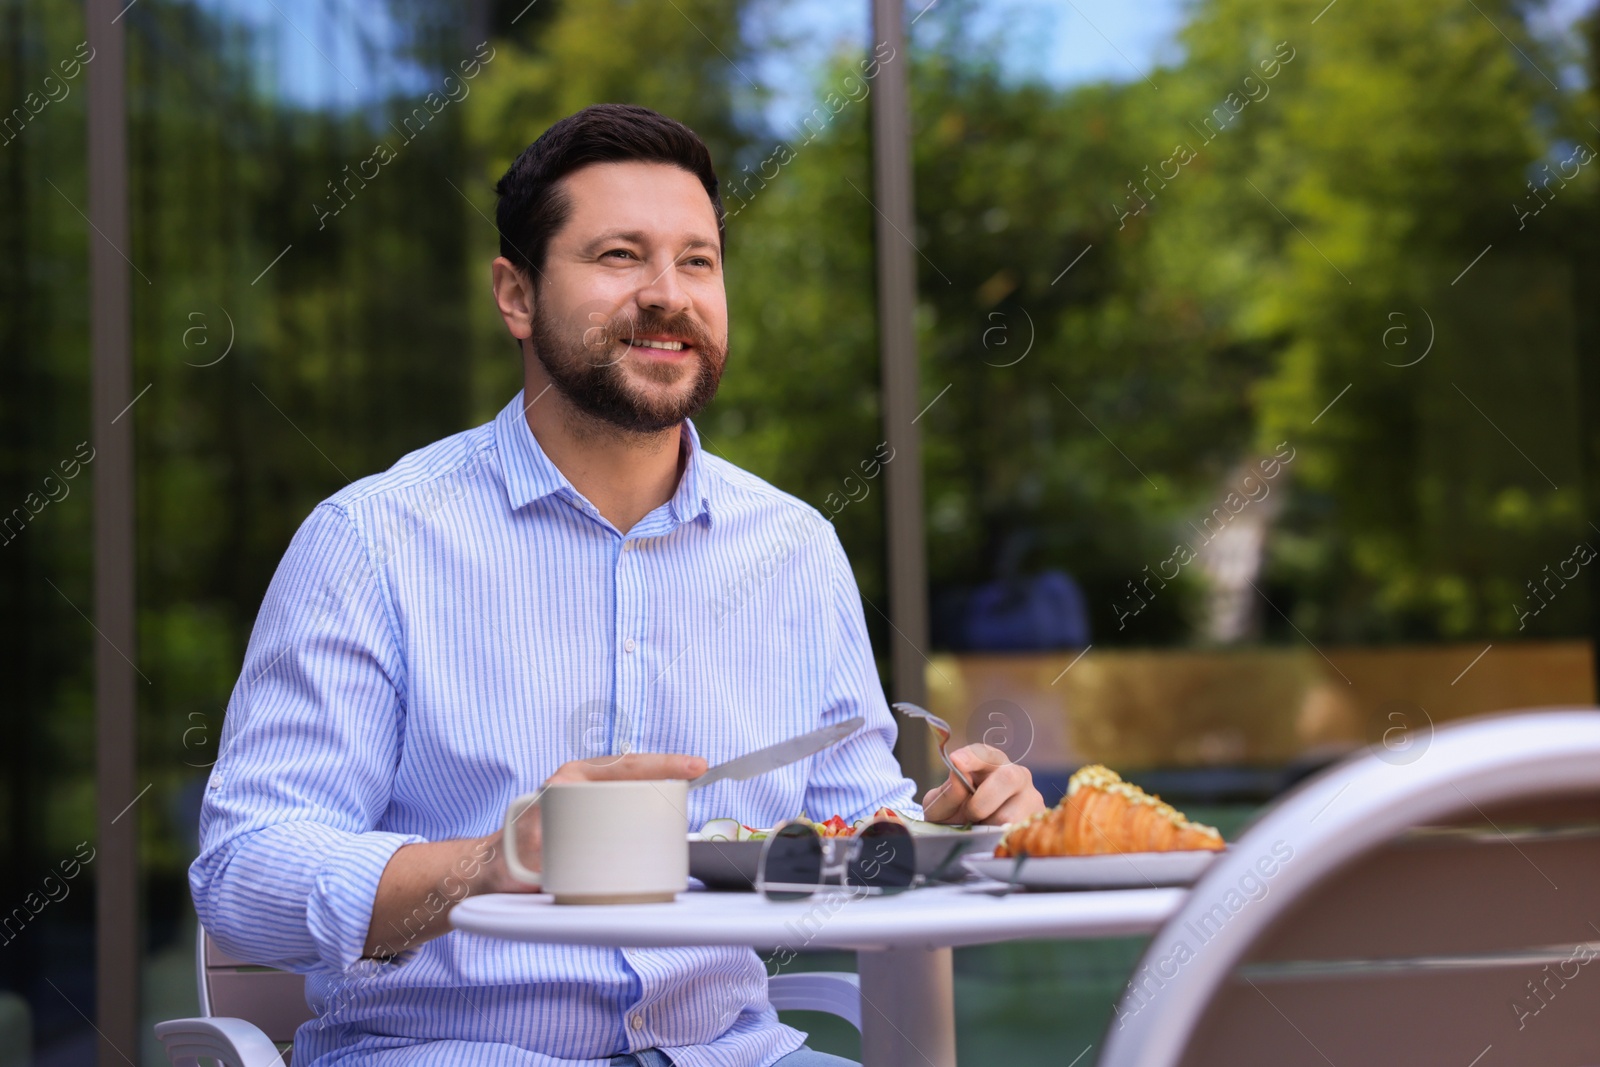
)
(833, 826)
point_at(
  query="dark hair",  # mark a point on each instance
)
(532, 208)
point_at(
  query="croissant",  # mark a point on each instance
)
(1101, 814)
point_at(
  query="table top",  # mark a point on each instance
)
(937, 917)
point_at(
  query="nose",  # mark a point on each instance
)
(663, 292)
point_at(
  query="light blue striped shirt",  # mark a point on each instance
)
(440, 638)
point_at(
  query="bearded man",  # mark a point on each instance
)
(545, 598)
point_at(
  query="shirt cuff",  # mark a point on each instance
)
(339, 912)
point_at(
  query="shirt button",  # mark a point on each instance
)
(637, 1022)
(628, 546)
(627, 646)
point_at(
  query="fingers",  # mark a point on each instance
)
(1017, 807)
(944, 803)
(632, 767)
(951, 802)
(1005, 793)
(979, 759)
(996, 791)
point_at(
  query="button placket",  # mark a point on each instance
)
(628, 581)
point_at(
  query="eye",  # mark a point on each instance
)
(699, 261)
(622, 252)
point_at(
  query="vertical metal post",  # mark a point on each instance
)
(897, 347)
(908, 1007)
(1585, 259)
(116, 859)
(1586, 355)
(1584, 253)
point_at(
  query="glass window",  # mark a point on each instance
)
(1259, 340)
(1261, 355)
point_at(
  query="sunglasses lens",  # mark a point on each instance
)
(791, 863)
(885, 857)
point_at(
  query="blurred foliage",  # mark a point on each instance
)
(47, 651)
(1254, 286)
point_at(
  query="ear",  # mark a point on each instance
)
(513, 295)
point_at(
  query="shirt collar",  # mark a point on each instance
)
(693, 496)
(528, 472)
(529, 475)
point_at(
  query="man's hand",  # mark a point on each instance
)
(423, 882)
(1005, 791)
(636, 767)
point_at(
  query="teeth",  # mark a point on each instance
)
(669, 346)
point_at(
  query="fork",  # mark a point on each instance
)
(941, 730)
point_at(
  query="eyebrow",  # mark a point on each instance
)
(638, 237)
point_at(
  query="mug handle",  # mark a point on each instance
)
(508, 838)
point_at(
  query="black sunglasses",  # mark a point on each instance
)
(796, 862)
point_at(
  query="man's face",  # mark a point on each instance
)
(630, 316)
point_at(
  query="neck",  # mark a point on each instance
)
(624, 475)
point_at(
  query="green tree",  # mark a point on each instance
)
(1247, 242)
(1389, 156)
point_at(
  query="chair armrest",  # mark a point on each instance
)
(835, 992)
(231, 1042)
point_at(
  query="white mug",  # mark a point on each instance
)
(614, 842)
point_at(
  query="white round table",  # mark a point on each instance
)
(902, 942)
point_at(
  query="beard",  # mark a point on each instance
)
(589, 370)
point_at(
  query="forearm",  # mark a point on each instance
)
(423, 882)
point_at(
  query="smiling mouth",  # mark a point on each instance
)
(658, 345)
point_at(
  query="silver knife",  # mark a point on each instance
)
(781, 754)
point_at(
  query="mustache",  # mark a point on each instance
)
(623, 327)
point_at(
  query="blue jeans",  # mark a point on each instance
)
(800, 1057)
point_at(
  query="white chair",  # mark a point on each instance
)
(248, 1014)
(1438, 905)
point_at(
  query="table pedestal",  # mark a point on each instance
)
(908, 1016)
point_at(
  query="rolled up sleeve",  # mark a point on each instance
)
(290, 857)
(859, 775)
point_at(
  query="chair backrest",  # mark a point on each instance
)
(275, 1001)
(1398, 908)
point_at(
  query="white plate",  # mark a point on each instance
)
(1126, 870)
(732, 864)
